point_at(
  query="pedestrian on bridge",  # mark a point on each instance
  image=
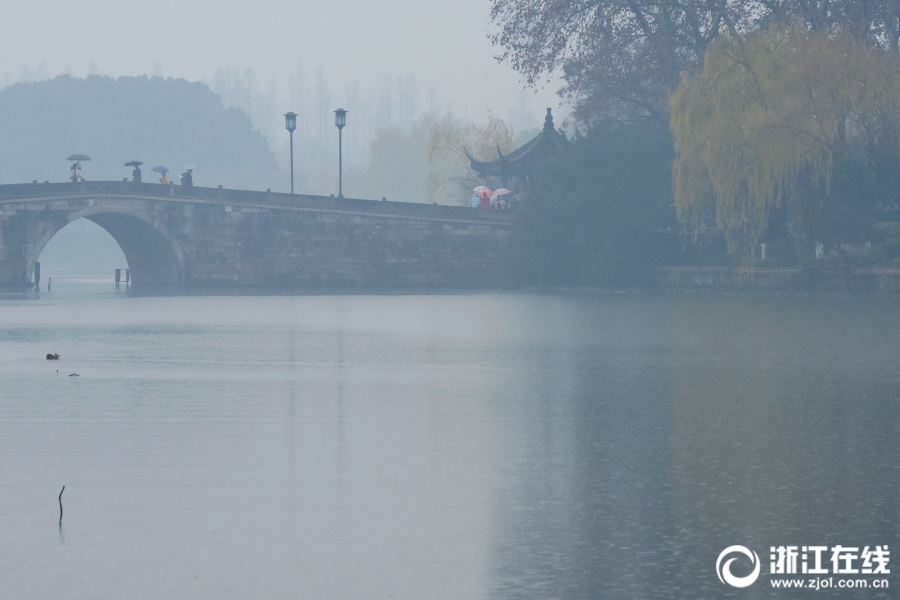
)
(136, 174)
(163, 178)
(187, 179)
(75, 171)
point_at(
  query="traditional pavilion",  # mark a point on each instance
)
(522, 162)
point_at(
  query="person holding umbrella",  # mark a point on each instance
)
(498, 200)
(136, 174)
(75, 171)
(163, 178)
(485, 194)
(187, 179)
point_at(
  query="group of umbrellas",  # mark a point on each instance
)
(131, 163)
(159, 169)
(486, 191)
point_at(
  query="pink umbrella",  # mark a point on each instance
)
(502, 191)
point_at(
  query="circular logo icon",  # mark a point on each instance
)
(723, 570)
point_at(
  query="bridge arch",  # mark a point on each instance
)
(148, 248)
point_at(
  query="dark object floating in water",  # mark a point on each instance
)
(74, 375)
(53, 357)
(60, 505)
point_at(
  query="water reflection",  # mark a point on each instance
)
(506, 446)
(682, 425)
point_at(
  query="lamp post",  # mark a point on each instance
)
(290, 123)
(340, 119)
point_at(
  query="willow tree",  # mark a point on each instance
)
(450, 178)
(764, 122)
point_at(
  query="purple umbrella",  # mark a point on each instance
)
(159, 170)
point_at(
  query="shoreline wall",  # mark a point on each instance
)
(807, 278)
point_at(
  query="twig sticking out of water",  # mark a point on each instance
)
(60, 505)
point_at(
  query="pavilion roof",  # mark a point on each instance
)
(523, 160)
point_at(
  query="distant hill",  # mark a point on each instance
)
(170, 122)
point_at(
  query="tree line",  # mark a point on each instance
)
(626, 57)
(780, 118)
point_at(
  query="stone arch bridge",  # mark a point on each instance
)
(199, 237)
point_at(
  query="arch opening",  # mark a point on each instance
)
(82, 250)
(97, 244)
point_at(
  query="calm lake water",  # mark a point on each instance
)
(469, 446)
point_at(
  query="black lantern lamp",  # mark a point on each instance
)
(290, 123)
(340, 120)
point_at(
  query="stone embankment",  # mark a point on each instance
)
(807, 278)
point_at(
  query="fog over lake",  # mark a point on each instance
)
(482, 299)
(467, 446)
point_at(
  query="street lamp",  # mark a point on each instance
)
(340, 119)
(290, 123)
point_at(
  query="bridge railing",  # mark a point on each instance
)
(227, 196)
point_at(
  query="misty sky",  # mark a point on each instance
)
(442, 42)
